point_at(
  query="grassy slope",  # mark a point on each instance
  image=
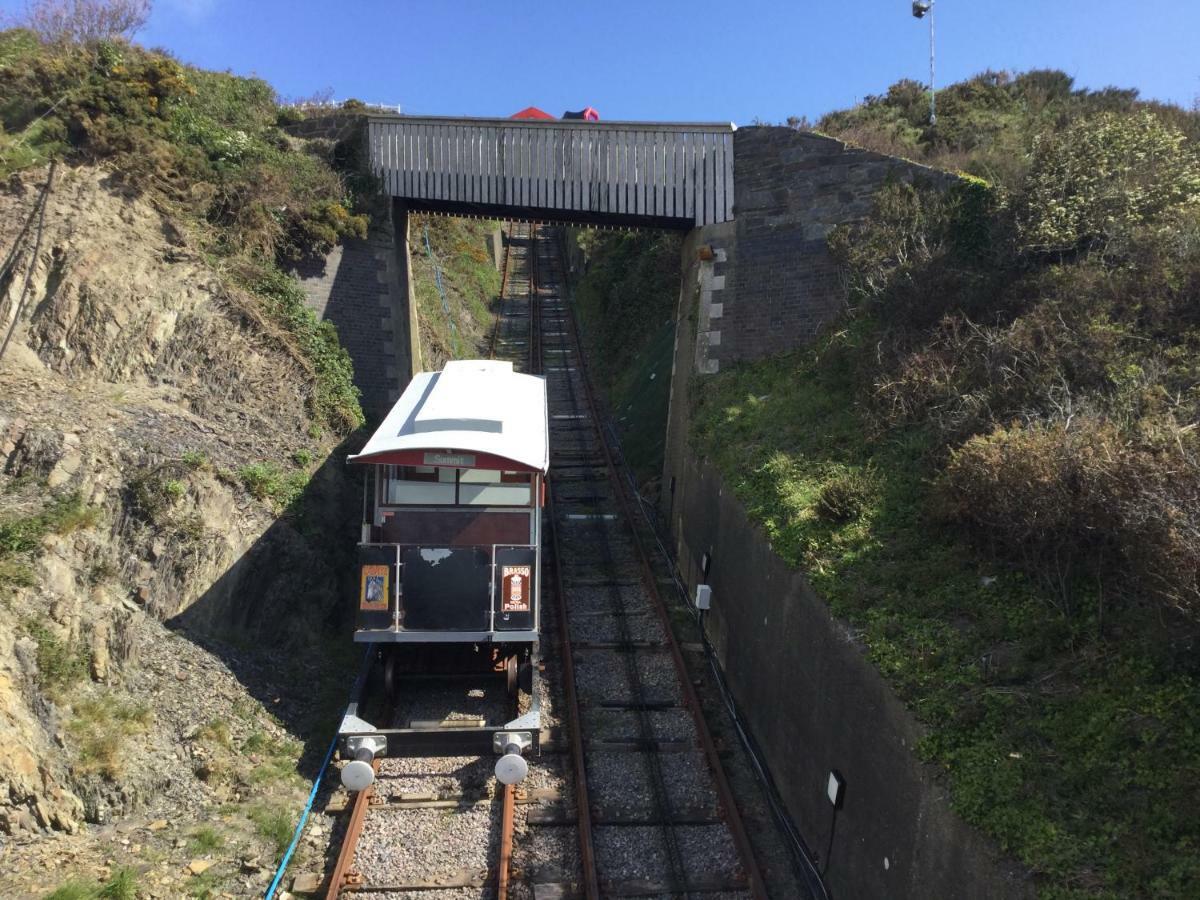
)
(458, 248)
(985, 123)
(626, 299)
(1074, 740)
(1090, 780)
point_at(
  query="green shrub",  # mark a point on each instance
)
(335, 399)
(206, 839)
(64, 514)
(195, 460)
(21, 535)
(60, 665)
(986, 123)
(1099, 179)
(845, 496)
(154, 491)
(1073, 501)
(122, 885)
(216, 732)
(100, 727)
(16, 573)
(266, 481)
(75, 889)
(275, 825)
(288, 115)
(325, 223)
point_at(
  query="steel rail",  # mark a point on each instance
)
(535, 325)
(354, 827)
(508, 807)
(657, 778)
(583, 810)
(583, 813)
(506, 841)
(724, 792)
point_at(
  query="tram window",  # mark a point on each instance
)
(429, 486)
(418, 485)
(417, 473)
(491, 487)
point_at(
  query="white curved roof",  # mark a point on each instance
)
(474, 406)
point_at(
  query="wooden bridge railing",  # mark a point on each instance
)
(626, 170)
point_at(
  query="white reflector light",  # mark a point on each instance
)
(511, 768)
(357, 775)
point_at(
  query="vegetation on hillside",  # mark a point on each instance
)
(208, 147)
(985, 124)
(991, 467)
(456, 286)
(626, 296)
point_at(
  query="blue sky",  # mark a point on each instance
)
(654, 59)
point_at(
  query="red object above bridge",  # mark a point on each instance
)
(588, 114)
(531, 112)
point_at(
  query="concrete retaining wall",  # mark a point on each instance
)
(758, 286)
(815, 704)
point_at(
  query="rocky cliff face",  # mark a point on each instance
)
(164, 517)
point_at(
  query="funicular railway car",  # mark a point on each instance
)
(450, 557)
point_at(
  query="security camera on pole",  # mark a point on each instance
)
(920, 9)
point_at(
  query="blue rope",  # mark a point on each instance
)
(287, 857)
(437, 276)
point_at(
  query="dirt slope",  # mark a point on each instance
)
(153, 429)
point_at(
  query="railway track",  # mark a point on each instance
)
(654, 813)
(628, 798)
(443, 824)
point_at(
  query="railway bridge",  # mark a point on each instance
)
(647, 174)
(756, 204)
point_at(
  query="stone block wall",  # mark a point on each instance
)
(335, 125)
(779, 284)
(361, 288)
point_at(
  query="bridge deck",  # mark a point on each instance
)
(673, 174)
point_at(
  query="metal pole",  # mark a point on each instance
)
(932, 85)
